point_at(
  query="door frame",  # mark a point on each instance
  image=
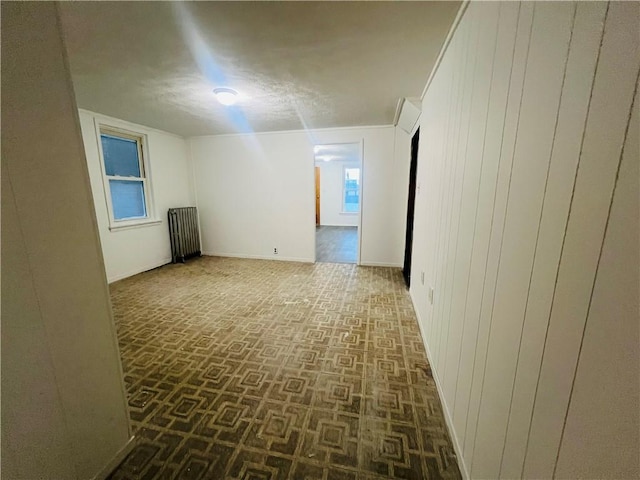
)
(411, 206)
(317, 186)
(361, 162)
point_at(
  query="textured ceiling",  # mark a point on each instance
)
(296, 64)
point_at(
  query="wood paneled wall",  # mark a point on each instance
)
(523, 126)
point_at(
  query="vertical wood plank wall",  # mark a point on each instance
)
(522, 134)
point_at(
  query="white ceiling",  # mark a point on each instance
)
(296, 64)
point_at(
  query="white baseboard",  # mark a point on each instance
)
(447, 415)
(146, 268)
(337, 225)
(259, 257)
(291, 259)
(116, 460)
(380, 264)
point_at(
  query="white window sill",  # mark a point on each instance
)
(349, 213)
(116, 227)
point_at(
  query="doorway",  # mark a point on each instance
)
(317, 173)
(338, 186)
(408, 244)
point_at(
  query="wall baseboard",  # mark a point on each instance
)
(259, 257)
(292, 259)
(447, 415)
(380, 264)
(146, 268)
(117, 459)
(338, 225)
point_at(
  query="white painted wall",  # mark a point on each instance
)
(521, 133)
(331, 194)
(64, 411)
(611, 340)
(256, 192)
(130, 251)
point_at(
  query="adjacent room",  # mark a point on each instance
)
(320, 240)
(337, 173)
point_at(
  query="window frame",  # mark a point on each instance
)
(343, 203)
(145, 172)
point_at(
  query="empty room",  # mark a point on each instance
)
(320, 240)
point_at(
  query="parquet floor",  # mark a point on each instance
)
(254, 369)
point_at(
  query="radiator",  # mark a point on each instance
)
(184, 234)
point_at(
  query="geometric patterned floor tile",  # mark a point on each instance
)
(252, 369)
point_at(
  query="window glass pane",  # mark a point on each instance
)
(351, 190)
(127, 198)
(120, 156)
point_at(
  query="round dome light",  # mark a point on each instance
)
(226, 96)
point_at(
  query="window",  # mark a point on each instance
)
(125, 177)
(351, 197)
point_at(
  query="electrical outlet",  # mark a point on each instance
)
(430, 294)
(422, 278)
(275, 250)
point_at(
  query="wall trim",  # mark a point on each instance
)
(445, 45)
(415, 129)
(302, 130)
(381, 264)
(339, 224)
(117, 459)
(146, 268)
(291, 259)
(138, 126)
(396, 116)
(127, 124)
(447, 415)
(131, 226)
(258, 257)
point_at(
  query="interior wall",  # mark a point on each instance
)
(611, 339)
(64, 412)
(331, 192)
(400, 182)
(133, 250)
(256, 193)
(522, 129)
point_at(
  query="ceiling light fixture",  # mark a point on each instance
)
(325, 158)
(226, 96)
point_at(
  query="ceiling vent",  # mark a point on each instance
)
(409, 114)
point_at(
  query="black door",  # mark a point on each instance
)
(408, 244)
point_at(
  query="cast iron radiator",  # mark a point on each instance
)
(184, 234)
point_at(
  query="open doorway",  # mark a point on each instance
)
(338, 186)
(408, 245)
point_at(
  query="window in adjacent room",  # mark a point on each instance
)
(351, 197)
(125, 177)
